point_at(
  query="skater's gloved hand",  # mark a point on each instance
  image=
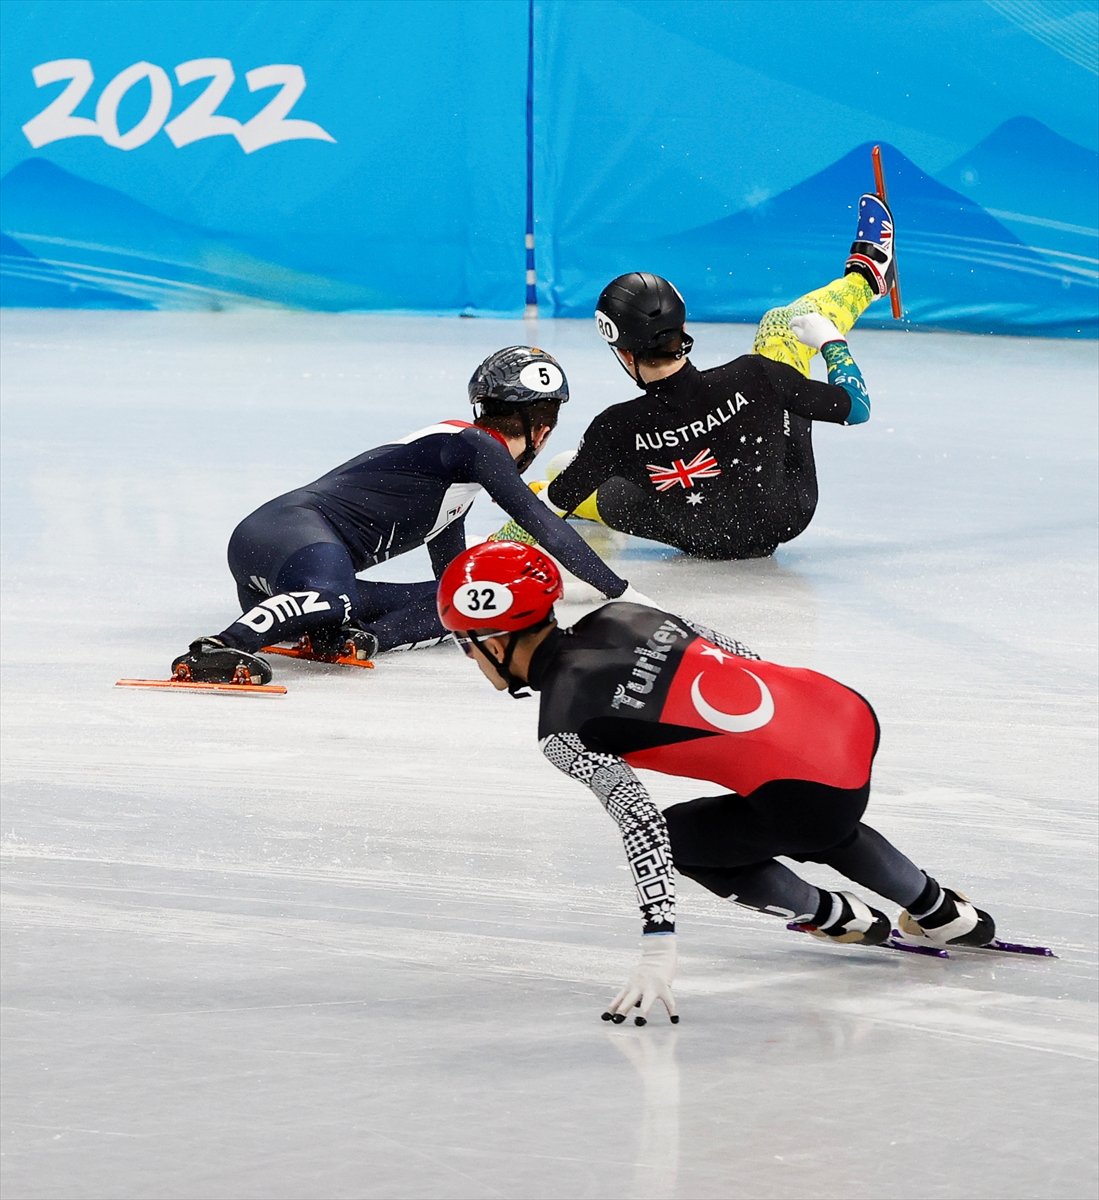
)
(632, 596)
(812, 329)
(649, 981)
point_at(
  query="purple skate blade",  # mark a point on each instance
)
(895, 943)
(891, 944)
(898, 942)
(1017, 948)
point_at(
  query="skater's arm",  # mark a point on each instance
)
(814, 399)
(649, 853)
(495, 471)
(449, 542)
(594, 463)
(642, 825)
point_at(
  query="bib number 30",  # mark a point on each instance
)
(199, 120)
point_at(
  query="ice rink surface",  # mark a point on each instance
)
(354, 941)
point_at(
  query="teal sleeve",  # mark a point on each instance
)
(844, 372)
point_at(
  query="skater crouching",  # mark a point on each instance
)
(630, 686)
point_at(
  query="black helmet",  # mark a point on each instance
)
(638, 311)
(517, 376)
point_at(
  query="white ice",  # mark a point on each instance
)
(355, 941)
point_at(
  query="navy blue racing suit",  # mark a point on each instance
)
(296, 558)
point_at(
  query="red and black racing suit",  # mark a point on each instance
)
(631, 686)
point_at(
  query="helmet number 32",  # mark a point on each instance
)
(482, 599)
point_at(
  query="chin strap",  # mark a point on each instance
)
(514, 684)
(531, 452)
(622, 364)
(518, 689)
(685, 348)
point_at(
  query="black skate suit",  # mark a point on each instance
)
(295, 559)
(718, 463)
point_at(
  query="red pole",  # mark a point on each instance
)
(879, 183)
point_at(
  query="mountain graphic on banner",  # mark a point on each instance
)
(67, 232)
(960, 267)
(1040, 185)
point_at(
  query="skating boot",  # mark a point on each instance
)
(347, 641)
(872, 250)
(952, 922)
(851, 921)
(210, 660)
(358, 643)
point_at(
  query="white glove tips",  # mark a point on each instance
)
(812, 329)
(649, 981)
(632, 596)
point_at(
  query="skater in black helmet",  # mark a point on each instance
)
(633, 686)
(295, 560)
(719, 463)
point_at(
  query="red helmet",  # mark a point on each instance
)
(505, 587)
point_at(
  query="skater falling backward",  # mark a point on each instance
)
(295, 560)
(719, 463)
(631, 685)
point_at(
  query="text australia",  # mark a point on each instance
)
(684, 433)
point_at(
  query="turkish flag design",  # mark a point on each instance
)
(768, 722)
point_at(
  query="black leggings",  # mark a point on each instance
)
(295, 576)
(729, 843)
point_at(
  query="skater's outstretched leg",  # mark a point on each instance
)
(932, 913)
(874, 862)
(867, 275)
(771, 887)
(842, 301)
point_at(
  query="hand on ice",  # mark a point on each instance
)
(812, 329)
(649, 981)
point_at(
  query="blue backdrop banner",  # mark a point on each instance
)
(380, 154)
(725, 146)
(172, 153)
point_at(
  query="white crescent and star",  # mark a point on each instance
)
(733, 722)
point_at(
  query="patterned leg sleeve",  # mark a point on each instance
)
(842, 301)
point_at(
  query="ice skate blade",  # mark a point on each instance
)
(888, 944)
(899, 942)
(340, 660)
(234, 689)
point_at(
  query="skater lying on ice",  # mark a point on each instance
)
(719, 463)
(295, 560)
